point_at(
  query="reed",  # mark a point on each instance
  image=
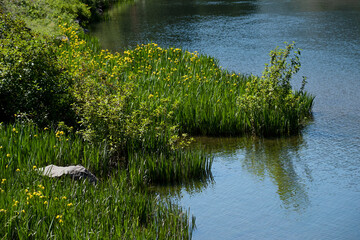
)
(37, 207)
(168, 167)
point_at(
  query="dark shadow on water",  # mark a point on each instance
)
(175, 191)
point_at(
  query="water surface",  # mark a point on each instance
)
(303, 187)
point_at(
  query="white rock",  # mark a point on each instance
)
(77, 172)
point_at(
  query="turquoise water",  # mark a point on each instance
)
(303, 187)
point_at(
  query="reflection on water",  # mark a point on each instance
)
(145, 21)
(175, 192)
(277, 159)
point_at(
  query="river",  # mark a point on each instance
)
(302, 187)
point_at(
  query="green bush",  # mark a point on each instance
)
(270, 105)
(31, 80)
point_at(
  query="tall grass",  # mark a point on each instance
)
(37, 207)
(24, 145)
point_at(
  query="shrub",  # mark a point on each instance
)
(270, 105)
(30, 79)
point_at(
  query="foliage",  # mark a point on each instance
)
(269, 103)
(31, 81)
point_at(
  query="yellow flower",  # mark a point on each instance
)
(150, 96)
(34, 167)
(3, 210)
(45, 202)
(69, 204)
(3, 181)
(58, 216)
(35, 135)
(61, 221)
(15, 203)
(14, 129)
(18, 170)
(1, 147)
(45, 128)
(63, 197)
(8, 155)
(23, 211)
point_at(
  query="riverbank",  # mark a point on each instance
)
(132, 113)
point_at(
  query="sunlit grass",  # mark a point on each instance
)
(34, 206)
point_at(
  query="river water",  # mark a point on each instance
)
(303, 187)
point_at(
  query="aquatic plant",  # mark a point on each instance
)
(33, 206)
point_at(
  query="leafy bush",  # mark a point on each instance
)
(269, 103)
(30, 78)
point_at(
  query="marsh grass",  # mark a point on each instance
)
(37, 207)
(26, 144)
(168, 167)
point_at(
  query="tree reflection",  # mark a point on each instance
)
(277, 158)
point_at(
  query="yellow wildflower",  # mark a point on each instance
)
(15, 203)
(3, 181)
(61, 221)
(69, 204)
(46, 202)
(8, 155)
(63, 197)
(34, 167)
(14, 129)
(18, 170)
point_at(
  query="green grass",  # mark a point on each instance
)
(37, 207)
